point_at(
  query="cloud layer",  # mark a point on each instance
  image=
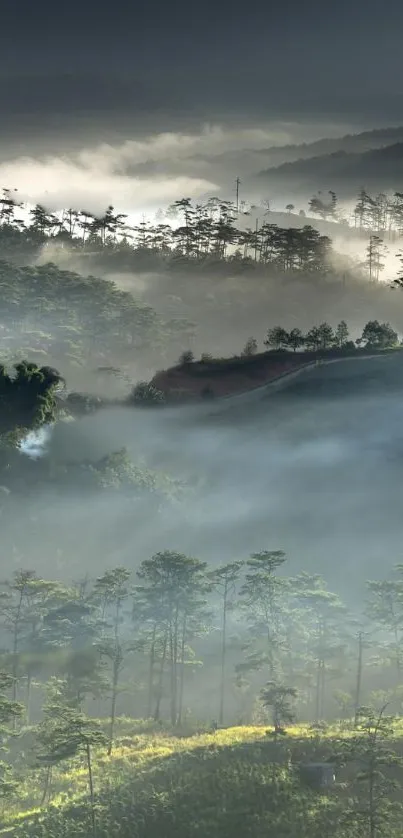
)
(145, 173)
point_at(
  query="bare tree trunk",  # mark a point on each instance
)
(28, 699)
(317, 691)
(182, 674)
(47, 785)
(322, 688)
(115, 682)
(223, 659)
(15, 652)
(173, 648)
(151, 674)
(161, 678)
(398, 664)
(357, 702)
(91, 787)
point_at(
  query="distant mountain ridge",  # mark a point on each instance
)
(224, 167)
(378, 169)
(354, 143)
(277, 155)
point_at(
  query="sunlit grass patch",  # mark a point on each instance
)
(163, 783)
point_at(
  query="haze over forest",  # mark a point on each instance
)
(201, 446)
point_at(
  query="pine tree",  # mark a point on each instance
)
(295, 339)
(179, 582)
(277, 338)
(66, 732)
(112, 592)
(262, 597)
(372, 807)
(341, 334)
(10, 711)
(224, 581)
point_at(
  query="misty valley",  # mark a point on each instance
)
(201, 460)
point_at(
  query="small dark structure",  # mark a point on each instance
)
(318, 775)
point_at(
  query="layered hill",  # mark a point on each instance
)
(226, 377)
(350, 143)
(379, 169)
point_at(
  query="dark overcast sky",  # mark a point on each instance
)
(108, 62)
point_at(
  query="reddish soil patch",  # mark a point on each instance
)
(225, 377)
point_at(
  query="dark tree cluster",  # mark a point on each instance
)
(381, 214)
(177, 620)
(52, 311)
(204, 232)
(323, 337)
(28, 397)
(239, 642)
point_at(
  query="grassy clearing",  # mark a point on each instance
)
(209, 785)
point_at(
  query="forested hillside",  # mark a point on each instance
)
(175, 566)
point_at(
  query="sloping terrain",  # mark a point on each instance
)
(225, 167)
(225, 377)
(241, 374)
(315, 469)
(232, 784)
(380, 169)
(351, 143)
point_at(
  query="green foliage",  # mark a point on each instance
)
(378, 335)
(279, 697)
(186, 358)
(323, 338)
(324, 208)
(250, 347)
(295, 339)
(217, 787)
(326, 336)
(65, 732)
(206, 235)
(180, 583)
(67, 316)
(277, 338)
(373, 805)
(10, 711)
(341, 334)
(262, 598)
(92, 637)
(112, 591)
(145, 395)
(28, 397)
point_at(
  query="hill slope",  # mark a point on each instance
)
(377, 169)
(350, 143)
(224, 785)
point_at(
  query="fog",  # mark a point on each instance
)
(226, 311)
(140, 172)
(314, 469)
(314, 472)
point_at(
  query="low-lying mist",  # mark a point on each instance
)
(318, 476)
(224, 310)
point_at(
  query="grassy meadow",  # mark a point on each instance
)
(232, 783)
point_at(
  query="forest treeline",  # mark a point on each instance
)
(381, 213)
(205, 231)
(47, 312)
(322, 341)
(179, 639)
(323, 337)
